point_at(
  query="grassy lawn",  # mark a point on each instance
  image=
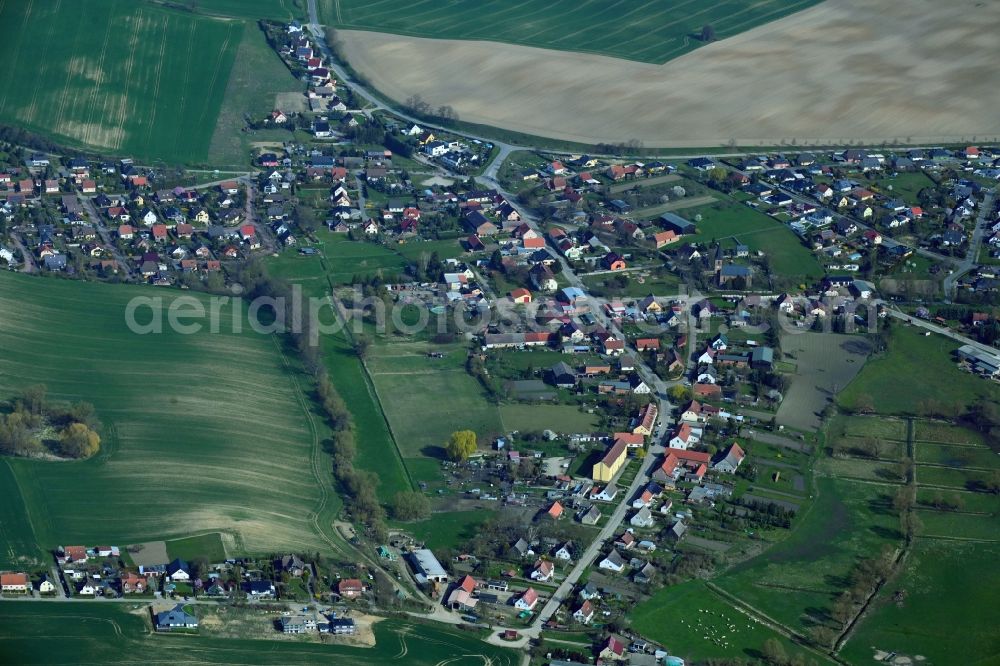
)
(694, 623)
(123, 77)
(103, 633)
(448, 529)
(976, 502)
(795, 580)
(956, 456)
(947, 585)
(426, 399)
(377, 449)
(947, 524)
(257, 79)
(949, 477)
(903, 186)
(208, 546)
(638, 284)
(872, 426)
(206, 430)
(416, 250)
(857, 468)
(947, 433)
(349, 260)
(730, 223)
(648, 30)
(558, 418)
(897, 381)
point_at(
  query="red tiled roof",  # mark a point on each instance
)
(13, 579)
(468, 584)
(689, 456)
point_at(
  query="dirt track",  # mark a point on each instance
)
(846, 70)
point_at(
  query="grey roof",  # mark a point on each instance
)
(561, 369)
(427, 564)
(614, 558)
(175, 617)
(734, 270)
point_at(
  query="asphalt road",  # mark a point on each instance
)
(967, 264)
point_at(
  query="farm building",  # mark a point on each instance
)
(427, 567)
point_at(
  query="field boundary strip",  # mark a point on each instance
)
(314, 452)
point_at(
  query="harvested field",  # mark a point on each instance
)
(845, 70)
(148, 554)
(827, 362)
(645, 30)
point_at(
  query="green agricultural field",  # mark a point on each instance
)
(558, 418)
(426, 399)
(795, 580)
(648, 30)
(110, 634)
(200, 432)
(18, 545)
(730, 223)
(277, 10)
(696, 623)
(448, 529)
(208, 546)
(946, 585)
(898, 381)
(121, 77)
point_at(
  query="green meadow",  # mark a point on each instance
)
(941, 607)
(730, 223)
(914, 370)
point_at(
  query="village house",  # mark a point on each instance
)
(176, 618)
(461, 597)
(527, 600)
(612, 562)
(584, 613)
(731, 461)
(14, 583)
(544, 571)
(350, 588)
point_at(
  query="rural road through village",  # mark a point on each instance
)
(659, 386)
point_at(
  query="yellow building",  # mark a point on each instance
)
(612, 461)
